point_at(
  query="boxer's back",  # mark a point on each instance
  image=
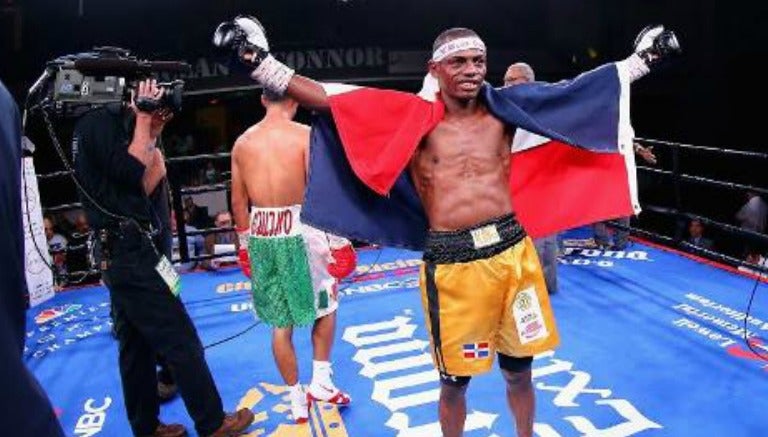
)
(271, 161)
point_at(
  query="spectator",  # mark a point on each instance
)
(696, 235)
(197, 216)
(57, 247)
(754, 256)
(222, 147)
(81, 224)
(222, 242)
(753, 214)
(56, 241)
(210, 175)
(194, 244)
(187, 145)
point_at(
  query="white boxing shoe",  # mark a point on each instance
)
(300, 406)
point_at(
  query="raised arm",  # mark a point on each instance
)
(154, 173)
(309, 93)
(246, 36)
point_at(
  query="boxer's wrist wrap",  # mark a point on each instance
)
(336, 242)
(273, 75)
(243, 234)
(636, 67)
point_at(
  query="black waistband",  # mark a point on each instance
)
(446, 247)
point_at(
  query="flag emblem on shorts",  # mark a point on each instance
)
(474, 351)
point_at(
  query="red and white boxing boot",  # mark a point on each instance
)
(322, 388)
(299, 404)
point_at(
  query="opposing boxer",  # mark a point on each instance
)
(294, 268)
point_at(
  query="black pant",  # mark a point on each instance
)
(164, 375)
(149, 321)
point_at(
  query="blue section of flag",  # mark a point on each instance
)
(583, 111)
(338, 202)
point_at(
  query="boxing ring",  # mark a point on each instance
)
(652, 343)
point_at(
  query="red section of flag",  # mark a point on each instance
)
(556, 186)
(380, 130)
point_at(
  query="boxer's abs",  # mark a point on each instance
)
(462, 202)
(462, 174)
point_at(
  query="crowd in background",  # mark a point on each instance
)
(752, 217)
(71, 242)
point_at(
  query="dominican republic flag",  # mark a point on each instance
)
(473, 351)
(572, 161)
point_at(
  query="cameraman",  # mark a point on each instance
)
(119, 166)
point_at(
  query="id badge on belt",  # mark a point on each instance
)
(169, 275)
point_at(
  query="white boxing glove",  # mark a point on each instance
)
(254, 31)
(247, 37)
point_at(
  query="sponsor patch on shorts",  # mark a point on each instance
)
(529, 319)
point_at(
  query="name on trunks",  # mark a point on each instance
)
(272, 223)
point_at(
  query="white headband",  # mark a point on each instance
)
(458, 45)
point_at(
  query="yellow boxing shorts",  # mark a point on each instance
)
(483, 292)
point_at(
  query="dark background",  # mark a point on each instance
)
(712, 96)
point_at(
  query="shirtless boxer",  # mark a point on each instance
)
(294, 268)
(482, 287)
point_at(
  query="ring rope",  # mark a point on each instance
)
(207, 257)
(55, 174)
(69, 248)
(705, 181)
(654, 236)
(222, 186)
(63, 207)
(709, 222)
(741, 153)
(177, 159)
(209, 231)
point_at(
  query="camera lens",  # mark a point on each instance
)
(172, 95)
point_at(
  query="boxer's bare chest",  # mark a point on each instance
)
(466, 147)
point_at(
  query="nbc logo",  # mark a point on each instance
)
(55, 312)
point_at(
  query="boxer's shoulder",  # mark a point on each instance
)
(300, 127)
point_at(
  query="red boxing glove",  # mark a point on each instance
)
(344, 262)
(245, 262)
(243, 234)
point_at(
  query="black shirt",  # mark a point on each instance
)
(113, 177)
(159, 202)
